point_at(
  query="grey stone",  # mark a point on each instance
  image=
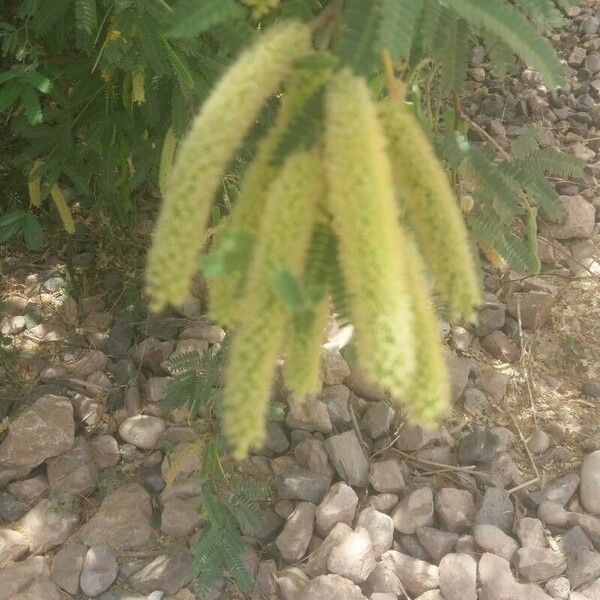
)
(589, 591)
(414, 510)
(13, 546)
(17, 577)
(105, 451)
(75, 471)
(276, 440)
(334, 368)
(538, 442)
(317, 561)
(589, 25)
(553, 514)
(380, 528)
(383, 596)
(66, 567)
(559, 588)
(268, 523)
(383, 579)
(383, 502)
(168, 573)
(490, 318)
(539, 564)
(437, 543)
(123, 370)
(411, 545)
(455, 509)
(534, 307)
(530, 533)
(46, 526)
(331, 587)
(295, 537)
(29, 490)
(308, 414)
(416, 437)
(479, 447)
(266, 578)
(459, 370)
(500, 347)
(122, 521)
(45, 430)
(348, 458)
(497, 509)
(498, 583)
(99, 570)
(338, 506)
(295, 483)
(559, 490)
(583, 562)
(143, 431)
(591, 388)
(377, 419)
(416, 575)
(590, 483)
(475, 401)
(11, 509)
(336, 398)
(353, 557)
(180, 517)
(458, 577)
(493, 539)
(578, 222)
(386, 477)
(312, 455)
(292, 583)
(40, 589)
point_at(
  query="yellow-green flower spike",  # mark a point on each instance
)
(371, 241)
(431, 209)
(302, 369)
(226, 290)
(283, 243)
(216, 133)
(429, 394)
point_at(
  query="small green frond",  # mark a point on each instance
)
(506, 23)
(192, 17)
(233, 549)
(484, 225)
(208, 539)
(542, 13)
(86, 24)
(179, 390)
(358, 33)
(185, 361)
(556, 163)
(397, 25)
(454, 57)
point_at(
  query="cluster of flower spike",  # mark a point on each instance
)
(372, 175)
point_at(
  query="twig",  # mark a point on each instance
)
(466, 469)
(529, 455)
(382, 450)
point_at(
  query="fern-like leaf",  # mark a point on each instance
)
(397, 25)
(454, 56)
(86, 24)
(506, 23)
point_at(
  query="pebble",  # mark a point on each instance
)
(180, 517)
(142, 431)
(591, 387)
(553, 514)
(46, 526)
(493, 539)
(292, 582)
(67, 565)
(455, 509)
(437, 543)
(383, 502)
(99, 570)
(559, 588)
(296, 483)
(497, 509)
(530, 533)
(386, 477)
(417, 575)
(13, 546)
(377, 419)
(309, 415)
(334, 368)
(559, 490)
(317, 561)
(539, 564)
(583, 562)
(75, 471)
(297, 532)
(414, 510)
(330, 587)
(348, 458)
(590, 483)
(312, 455)
(338, 506)
(353, 557)
(458, 577)
(380, 528)
(479, 447)
(538, 442)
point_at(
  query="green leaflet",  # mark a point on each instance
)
(397, 25)
(501, 19)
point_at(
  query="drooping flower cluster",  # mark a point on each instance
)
(322, 220)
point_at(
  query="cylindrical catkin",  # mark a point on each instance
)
(216, 133)
(371, 241)
(283, 243)
(431, 209)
